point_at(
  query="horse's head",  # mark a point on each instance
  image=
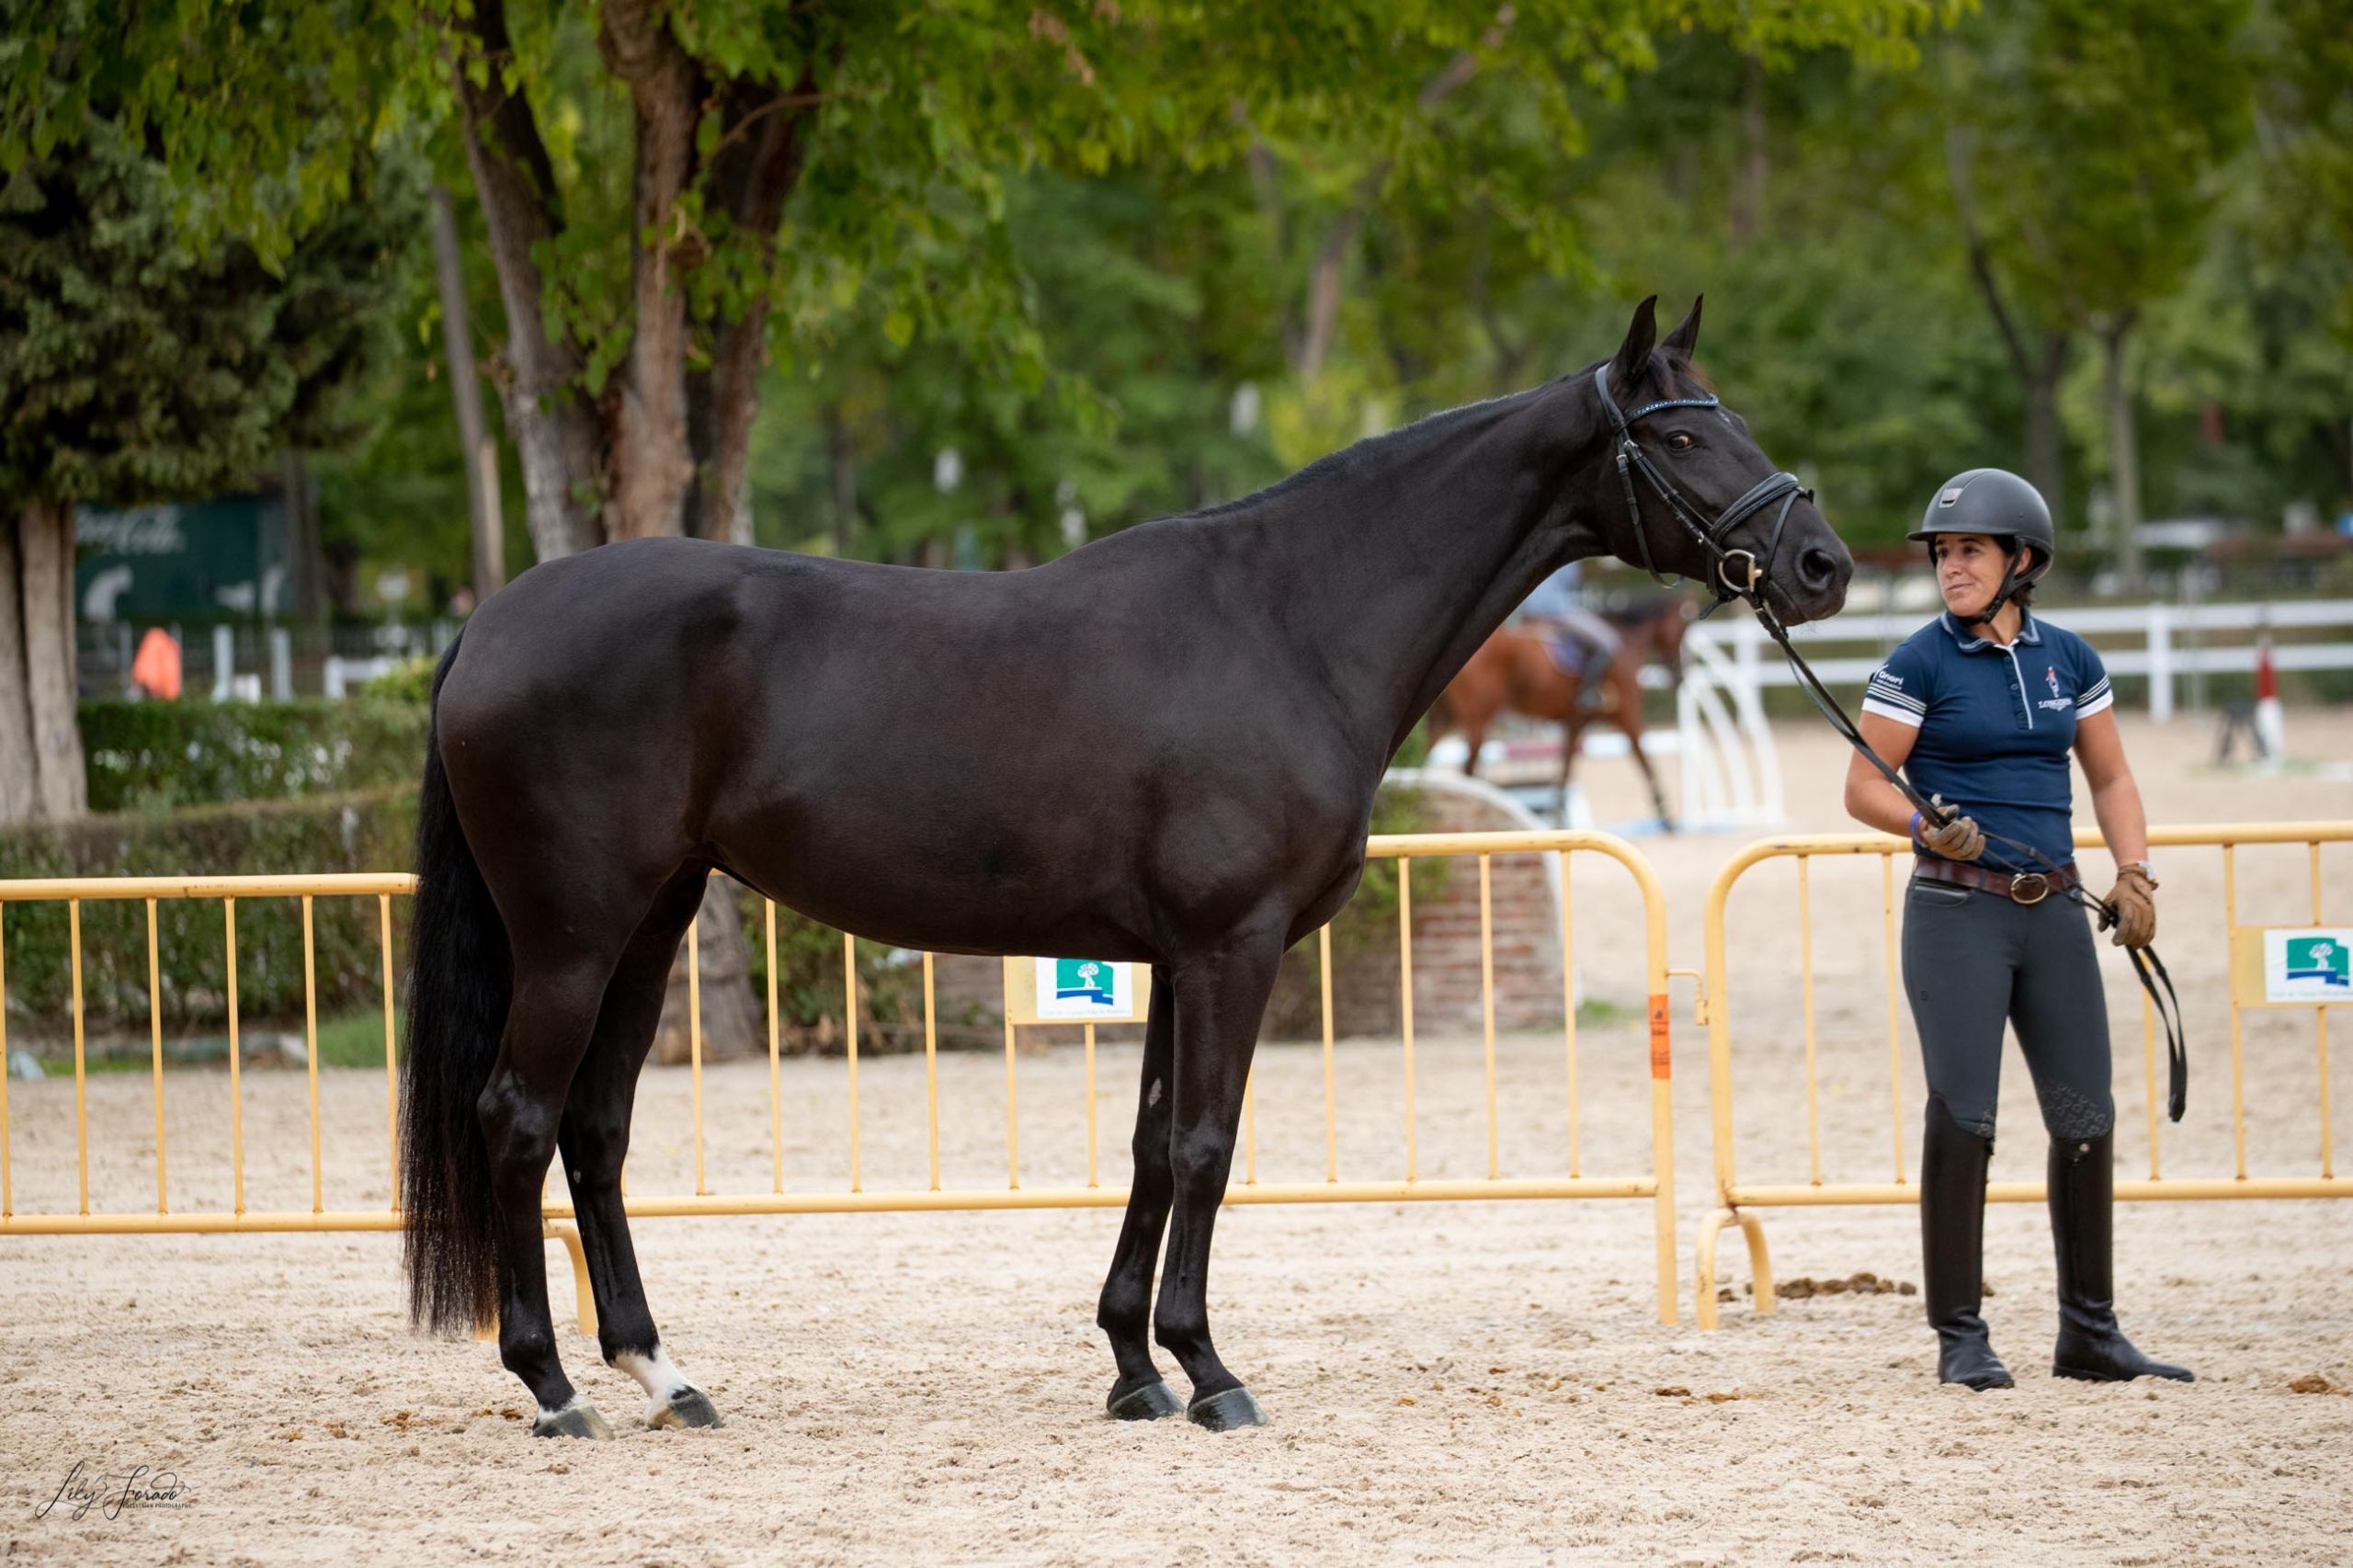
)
(1686, 489)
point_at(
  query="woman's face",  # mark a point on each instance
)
(1969, 569)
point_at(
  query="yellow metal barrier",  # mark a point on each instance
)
(1738, 1202)
(1405, 1185)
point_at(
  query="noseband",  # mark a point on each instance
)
(1739, 575)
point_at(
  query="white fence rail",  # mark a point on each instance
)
(2156, 648)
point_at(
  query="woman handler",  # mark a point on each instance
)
(1981, 707)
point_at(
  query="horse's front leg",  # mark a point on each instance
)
(1221, 1001)
(1125, 1313)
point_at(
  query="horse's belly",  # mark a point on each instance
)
(950, 870)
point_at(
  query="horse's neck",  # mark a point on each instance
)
(1398, 569)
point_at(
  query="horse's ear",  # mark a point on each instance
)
(1684, 341)
(1634, 354)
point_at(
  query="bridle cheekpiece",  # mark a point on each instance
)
(1739, 575)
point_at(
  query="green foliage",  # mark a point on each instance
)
(409, 683)
(133, 366)
(1059, 241)
(158, 755)
(809, 997)
(2091, 128)
(367, 832)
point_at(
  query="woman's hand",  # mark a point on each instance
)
(2134, 901)
(1956, 838)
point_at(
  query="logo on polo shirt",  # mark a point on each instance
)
(2057, 701)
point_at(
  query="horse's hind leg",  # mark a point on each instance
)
(1629, 719)
(595, 1138)
(556, 999)
(1125, 1313)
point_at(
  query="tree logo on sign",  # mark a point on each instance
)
(2322, 960)
(1083, 980)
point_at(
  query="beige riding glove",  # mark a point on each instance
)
(1959, 839)
(2133, 899)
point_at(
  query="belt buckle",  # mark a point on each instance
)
(2017, 885)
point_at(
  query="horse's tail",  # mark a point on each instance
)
(458, 988)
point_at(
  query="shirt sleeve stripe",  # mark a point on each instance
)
(1881, 691)
(2099, 692)
(2100, 704)
(1905, 716)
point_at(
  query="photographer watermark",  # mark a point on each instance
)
(89, 1489)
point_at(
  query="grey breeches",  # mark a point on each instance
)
(1973, 961)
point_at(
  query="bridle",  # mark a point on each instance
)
(1750, 583)
(1747, 579)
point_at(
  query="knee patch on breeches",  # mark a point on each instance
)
(2071, 1115)
(1975, 1121)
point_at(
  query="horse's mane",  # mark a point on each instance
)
(1389, 445)
(1429, 430)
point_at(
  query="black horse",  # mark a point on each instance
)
(1162, 747)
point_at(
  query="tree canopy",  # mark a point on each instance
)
(969, 283)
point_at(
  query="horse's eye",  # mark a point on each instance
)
(1679, 442)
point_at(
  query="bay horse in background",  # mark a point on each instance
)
(1518, 670)
(1162, 747)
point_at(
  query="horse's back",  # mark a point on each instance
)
(908, 753)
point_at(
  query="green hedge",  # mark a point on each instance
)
(363, 831)
(161, 756)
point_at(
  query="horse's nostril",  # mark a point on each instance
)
(1818, 567)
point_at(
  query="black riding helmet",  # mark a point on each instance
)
(1999, 504)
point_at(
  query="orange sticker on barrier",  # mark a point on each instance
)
(1659, 1053)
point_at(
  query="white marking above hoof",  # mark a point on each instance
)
(655, 1374)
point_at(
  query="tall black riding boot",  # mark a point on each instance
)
(2091, 1347)
(1953, 1239)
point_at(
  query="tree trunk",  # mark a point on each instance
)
(1748, 189)
(306, 560)
(730, 1025)
(653, 457)
(465, 393)
(2046, 464)
(763, 147)
(2038, 367)
(1319, 324)
(2123, 447)
(41, 776)
(555, 431)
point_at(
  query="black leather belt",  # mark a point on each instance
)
(2023, 887)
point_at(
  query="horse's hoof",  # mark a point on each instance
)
(577, 1419)
(685, 1408)
(1227, 1412)
(1149, 1402)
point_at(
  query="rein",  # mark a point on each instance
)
(2147, 967)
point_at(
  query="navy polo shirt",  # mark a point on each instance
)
(1995, 725)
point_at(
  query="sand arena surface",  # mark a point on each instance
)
(1447, 1382)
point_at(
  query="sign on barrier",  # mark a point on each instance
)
(1037, 993)
(2268, 967)
(2292, 966)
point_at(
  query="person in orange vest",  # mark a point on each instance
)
(157, 670)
